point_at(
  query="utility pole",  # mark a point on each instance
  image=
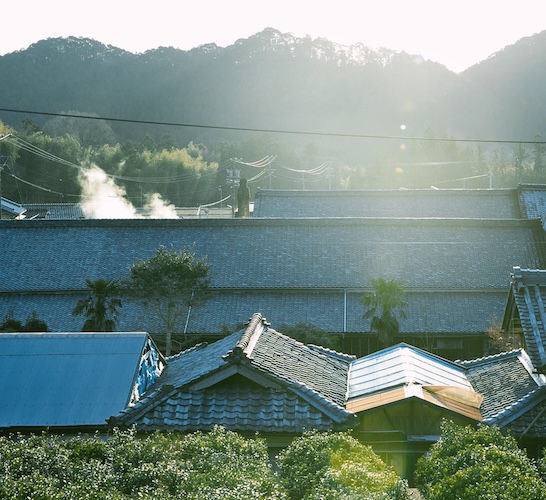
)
(233, 178)
(3, 163)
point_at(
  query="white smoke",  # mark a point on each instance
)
(103, 199)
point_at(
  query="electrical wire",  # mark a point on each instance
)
(264, 162)
(271, 131)
(30, 148)
(41, 187)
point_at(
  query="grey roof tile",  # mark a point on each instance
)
(305, 253)
(452, 203)
(309, 392)
(291, 360)
(242, 407)
(528, 291)
(504, 380)
(437, 312)
(532, 200)
(528, 418)
(54, 211)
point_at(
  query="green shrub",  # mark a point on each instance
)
(484, 463)
(214, 465)
(335, 465)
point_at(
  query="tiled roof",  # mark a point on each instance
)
(285, 254)
(532, 200)
(528, 292)
(257, 380)
(285, 358)
(505, 381)
(304, 270)
(244, 406)
(332, 310)
(54, 211)
(67, 379)
(530, 420)
(451, 203)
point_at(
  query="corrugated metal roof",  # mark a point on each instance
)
(402, 365)
(66, 379)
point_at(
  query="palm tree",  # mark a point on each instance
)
(100, 307)
(383, 304)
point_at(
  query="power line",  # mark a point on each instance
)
(270, 131)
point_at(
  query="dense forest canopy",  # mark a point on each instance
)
(286, 112)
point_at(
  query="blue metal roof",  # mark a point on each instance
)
(67, 379)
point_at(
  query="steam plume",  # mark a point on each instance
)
(103, 199)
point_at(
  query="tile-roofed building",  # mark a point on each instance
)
(394, 203)
(401, 394)
(310, 270)
(254, 380)
(72, 381)
(514, 396)
(525, 313)
(54, 211)
(532, 200)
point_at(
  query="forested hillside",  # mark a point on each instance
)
(357, 109)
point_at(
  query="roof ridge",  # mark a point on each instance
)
(246, 343)
(485, 359)
(331, 352)
(195, 347)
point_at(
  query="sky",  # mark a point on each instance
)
(455, 33)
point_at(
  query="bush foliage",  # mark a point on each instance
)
(483, 463)
(335, 465)
(214, 465)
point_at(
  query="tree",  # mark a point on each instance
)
(170, 283)
(335, 465)
(383, 304)
(33, 324)
(11, 324)
(483, 463)
(86, 127)
(538, 153)
(520, 155)
(501, 341)
(101, 306)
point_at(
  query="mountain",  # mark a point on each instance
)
(276, 81)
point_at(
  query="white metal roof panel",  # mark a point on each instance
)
(402, 365)
(66, 379)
